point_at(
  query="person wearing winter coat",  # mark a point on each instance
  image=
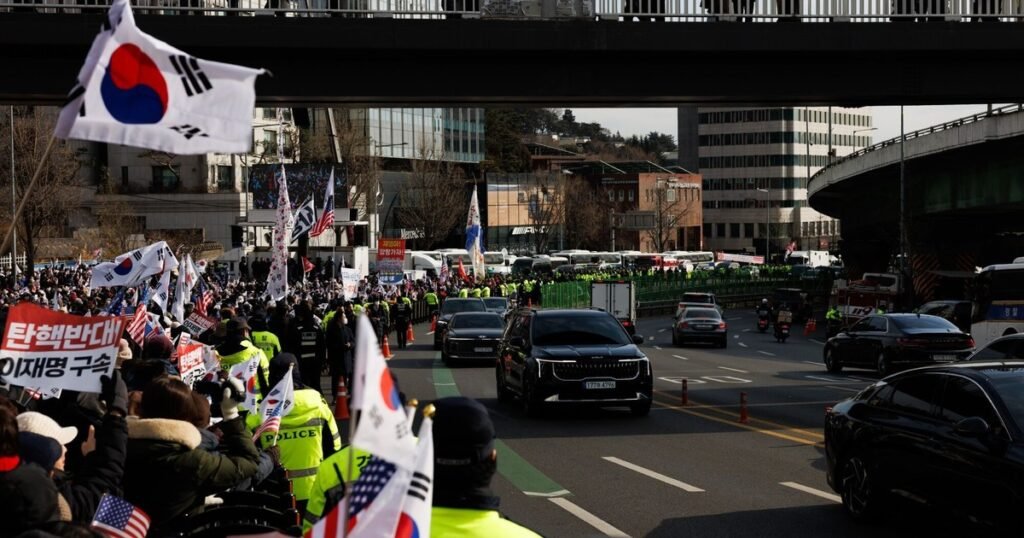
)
(28, 498)
(166, 473)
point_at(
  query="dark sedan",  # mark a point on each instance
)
(1009, 347)
(889, 342)
(700, 325)
(473, 335)
(498, 305)
(946, 436)
(449, 308)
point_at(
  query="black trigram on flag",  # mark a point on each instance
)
(189, 131)
(420, 486)
(192, 78)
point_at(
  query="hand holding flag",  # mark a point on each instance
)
(276, 405)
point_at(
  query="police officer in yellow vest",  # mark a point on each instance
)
(464, 464)
(464, 293)
(432, 302)
(262, 338)
(237, 349)
(331, 483)
(308, 432)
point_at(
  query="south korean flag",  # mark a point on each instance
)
(139, 91)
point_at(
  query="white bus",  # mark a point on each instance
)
(998, 302)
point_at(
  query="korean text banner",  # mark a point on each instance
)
(46, 349)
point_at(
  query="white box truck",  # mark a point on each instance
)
(618, 299)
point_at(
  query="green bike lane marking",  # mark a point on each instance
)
(511, 465)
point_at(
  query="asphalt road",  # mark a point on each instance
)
(683, 471)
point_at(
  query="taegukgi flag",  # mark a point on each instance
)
(139, 91)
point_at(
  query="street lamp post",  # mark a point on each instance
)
(855, 131)
(767, 219)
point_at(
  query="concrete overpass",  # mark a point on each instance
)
(607, 59)
(965, 197)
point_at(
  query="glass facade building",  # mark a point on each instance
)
(446, 134)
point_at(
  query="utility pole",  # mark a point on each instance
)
(611, 224)
(903, 209)
(14, 206)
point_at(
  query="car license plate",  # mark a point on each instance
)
(483, 349)
(705, 327)
(944, 358)
(599, 385)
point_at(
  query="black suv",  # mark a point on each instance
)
(572, 356)
(449, 308)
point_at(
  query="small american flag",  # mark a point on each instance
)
(137, 326)
(277, 404)
(117, 518)
(205, 297)
(326, 219)
(370, 483)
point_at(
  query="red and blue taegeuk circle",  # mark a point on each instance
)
(133, 89)
(389, 392)
(407, 527)
(124, 267)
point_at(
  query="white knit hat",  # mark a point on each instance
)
(38, 423)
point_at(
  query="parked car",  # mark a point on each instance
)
(889, 342)
(472, 335)
(956, 312)
(1009, 347)
(552, 357)
(700, 325)
(449, 308)
(949, 436)
(498, 305)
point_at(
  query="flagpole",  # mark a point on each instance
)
(26, 195)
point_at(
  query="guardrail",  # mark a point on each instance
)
(819, 11)
(953, 124)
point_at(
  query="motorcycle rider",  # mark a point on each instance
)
(764, 312)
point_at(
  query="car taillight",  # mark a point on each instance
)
(722, 325)
(626, 323)
(683, 324)
(970, 341)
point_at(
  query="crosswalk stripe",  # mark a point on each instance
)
(655, 475)
(590, 519)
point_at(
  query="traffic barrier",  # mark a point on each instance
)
(744, 417)
(385, 348)
(341, 404)
(684, 396)
(409, 336)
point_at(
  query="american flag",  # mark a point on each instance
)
(370, 483)
(443, 277)
(277, 404)
(117, 518)
(137, 326)
(326, 219)
(272, 425)
(205, 297)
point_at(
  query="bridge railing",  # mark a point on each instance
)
(952, 124)
(613, 10)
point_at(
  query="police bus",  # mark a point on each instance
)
(998, 302)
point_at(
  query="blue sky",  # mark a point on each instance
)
(631, 121)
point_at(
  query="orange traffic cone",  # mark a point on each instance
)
(385, 348)
(409, 336)
(810, 327)
(341, 405)
(433, 323)
(529, 302)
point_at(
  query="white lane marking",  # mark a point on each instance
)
(865, 379)
(812, 362)
(746, 330)
(658, 348)
(766, 353)
(816, 492)
(736, 336)
(737, 370)
(679, 380)
(819, 342)
(680, 357)
(733, 319)
(559, 493)
(741, 344)
(726, 379)
(430, 333)
(662, 330)
(655, 475)
(650, 338)
(444, 384)
(847, 389)
(590, 519)
(829, 379)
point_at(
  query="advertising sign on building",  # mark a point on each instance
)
(390, 258)
(45, 349)
(741, 258)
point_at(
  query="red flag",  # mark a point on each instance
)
(462, 271)
(307, 265)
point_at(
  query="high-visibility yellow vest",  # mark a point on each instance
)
(332, 471)
(468, 523)
(249, 349)
(327, 319)
(476, 293)
(300, 439)
(464, 293)
(431, 298)
(267, 342)
(486, 292)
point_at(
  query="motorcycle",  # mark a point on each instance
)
(762, 321)
(781, 332)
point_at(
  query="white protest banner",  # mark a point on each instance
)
(350, 282)
(43, 349)
(196, 324)
(191, 364)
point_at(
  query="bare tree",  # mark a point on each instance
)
(117, 228)
(671, 203)
(586, 215)
(352, 145)
(545, 207)
(55, 194)
(433, 199)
